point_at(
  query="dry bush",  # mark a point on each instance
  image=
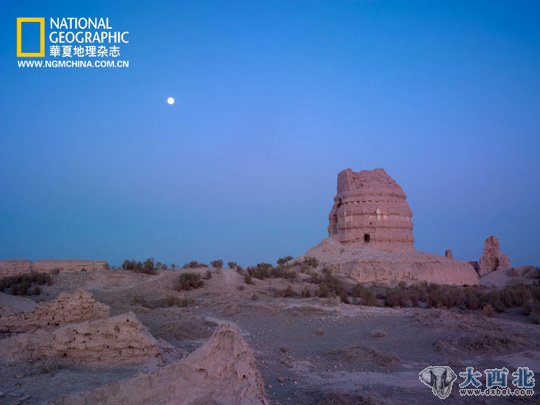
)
(25, 284)
(248, 279)
(260, 271)
(218, 263)
(146, 267)
(194, 264)
(366, 296)
(378, 333)
(487, 310)
(288, 292)
(173, 301)
(331, 286)
(282, 260)
(188, 281)
(232, 265)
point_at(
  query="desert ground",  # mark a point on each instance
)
(309, 350)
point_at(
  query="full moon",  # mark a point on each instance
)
(170, 100)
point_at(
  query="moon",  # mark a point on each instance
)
(170, 100)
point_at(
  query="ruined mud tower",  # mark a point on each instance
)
(370, 209)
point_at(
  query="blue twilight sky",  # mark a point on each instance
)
(273, 99)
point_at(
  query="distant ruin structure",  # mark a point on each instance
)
(371, 236)
(371, 209)
(492, 258)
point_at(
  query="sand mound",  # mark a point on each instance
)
(117, 340)
(69, 307)
(222, 371)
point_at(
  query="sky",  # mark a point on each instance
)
(273, 99)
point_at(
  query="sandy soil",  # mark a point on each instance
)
(309, 351)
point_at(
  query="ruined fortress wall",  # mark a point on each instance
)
(68, 265)
(18, 267)
(223, 371)
(71, 307)
(14, 267)
(118, 340)
(371, 209)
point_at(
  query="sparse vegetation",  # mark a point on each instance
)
(378, 333)
(188, 281)
(25, 284)
(232, 265)
(194, 264)
(218, 263)
(248, 279)
(331, 286)
(281, 261)
(173, 301)
(146, 267)
(487, 310)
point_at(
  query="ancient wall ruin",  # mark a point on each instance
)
(222, 371)
(492, 258)
(371, 209)
(118, 340)
(68, 307)
(16, 267)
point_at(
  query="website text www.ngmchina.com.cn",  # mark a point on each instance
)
(47, 64)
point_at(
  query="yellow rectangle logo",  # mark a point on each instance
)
(41, 21)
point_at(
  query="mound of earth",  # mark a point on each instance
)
(372, 265)
(222, 371)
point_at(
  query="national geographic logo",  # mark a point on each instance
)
(30, 20)
(71, 42)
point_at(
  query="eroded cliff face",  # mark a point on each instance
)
(371, 209)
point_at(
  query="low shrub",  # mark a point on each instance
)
(260, 271)
(365, 295)
(146, 267)
(331, 286)
(248, 279)
(487, 310)
(188, 281)
(218, 263)
(232, 265)
(173, 301)
(194, 264)
(25, 284)
(282, 260)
